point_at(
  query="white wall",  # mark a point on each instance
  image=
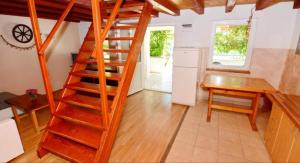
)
(83, 29)
(296, 34)
(273, 30)
(272, 39)
(19, 69)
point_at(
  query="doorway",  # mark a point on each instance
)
(157, 53)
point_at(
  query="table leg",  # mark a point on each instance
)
(255, 105)
(210, 99)
(35, 121)
(16, 116)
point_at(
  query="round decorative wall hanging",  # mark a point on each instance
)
(22, 33)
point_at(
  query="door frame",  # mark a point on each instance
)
(145, 57)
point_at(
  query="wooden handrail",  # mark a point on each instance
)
(41, 56)
(56, 26)
(100, 60)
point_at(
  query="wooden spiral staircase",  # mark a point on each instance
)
(84, 122)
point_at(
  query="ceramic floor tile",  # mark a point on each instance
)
(210, 132)
(208, 143)
(187, 136)
(233, 148)
(214, 122)
(256, 154)
(176, 159)
(209, 124)
(227, 138)
(224, 158)
(181, 151)
(204, 155)
(249, 133)
(253, 141)
(231, 126)
(229, 135)
(190, 126)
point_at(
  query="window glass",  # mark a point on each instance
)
(230, 45)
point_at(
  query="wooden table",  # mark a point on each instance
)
(240, 87)
(30, 107)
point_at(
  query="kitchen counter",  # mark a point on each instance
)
(282, 135)
(290, 104)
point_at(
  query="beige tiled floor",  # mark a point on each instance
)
(227, 138)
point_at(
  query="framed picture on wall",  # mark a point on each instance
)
(298, 47)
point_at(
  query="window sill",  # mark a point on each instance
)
(229, 70)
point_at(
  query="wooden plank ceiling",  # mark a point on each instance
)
(51, 9)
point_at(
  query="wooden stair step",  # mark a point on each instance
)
(94, 67)
(135, 16)
(94, 74)
(117, 50)
(124, 27)
(68, 149)
(92, 88)
(119, 38)
(107, 50)
(107, 62)
(83, 101)
(128, 4)
(121, 27)
(85, 135)
(80, 116)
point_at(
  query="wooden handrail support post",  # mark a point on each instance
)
(100, 60)
(56, 26)
(41, 56)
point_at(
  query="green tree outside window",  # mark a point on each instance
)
(231, 38)
(159, 42)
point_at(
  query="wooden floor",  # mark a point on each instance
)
(149, 124)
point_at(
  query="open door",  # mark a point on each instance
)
(157, 53)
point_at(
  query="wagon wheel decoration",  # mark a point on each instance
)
(22, 33)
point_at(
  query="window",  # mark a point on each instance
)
(231, 45)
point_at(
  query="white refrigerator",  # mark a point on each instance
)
(186, 63)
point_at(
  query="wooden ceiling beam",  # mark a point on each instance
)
(230, 4)
(46, 10)
(43, 10)
(296, 4)
(262, 4)
(62, 5)
(24, 13)
(198, 6)
(165, 6)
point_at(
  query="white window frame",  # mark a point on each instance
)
(249, 48)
